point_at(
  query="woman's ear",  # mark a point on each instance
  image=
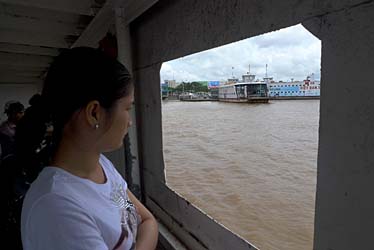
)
(93, 113)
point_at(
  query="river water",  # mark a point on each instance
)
(252, 167)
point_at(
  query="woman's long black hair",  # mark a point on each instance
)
(76, 77)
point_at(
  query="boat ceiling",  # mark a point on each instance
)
(33, 32)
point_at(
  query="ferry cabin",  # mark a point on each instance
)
(150, 32)
(294, 89)
(244, 92)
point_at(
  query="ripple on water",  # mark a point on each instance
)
(251, 167)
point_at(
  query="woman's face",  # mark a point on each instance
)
(120, 121)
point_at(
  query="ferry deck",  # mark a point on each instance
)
(150, 32)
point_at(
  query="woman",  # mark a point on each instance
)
(79, 200)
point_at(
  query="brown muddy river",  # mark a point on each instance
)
(252, 167)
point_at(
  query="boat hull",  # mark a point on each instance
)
(294, 97)
(250, 100)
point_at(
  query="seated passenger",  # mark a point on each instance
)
(79, 201)
(14, 111)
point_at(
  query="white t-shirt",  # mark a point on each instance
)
(63, 211)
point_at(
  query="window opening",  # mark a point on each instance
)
(252, 167)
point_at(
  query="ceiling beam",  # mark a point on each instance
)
(38, 25)
(30, 38)
(27, 49)
(25, 73)
(99, 26)
(11, 84)
(81, 7)
(80, 21)
(18, 79)
(25, 68)
(24, 60)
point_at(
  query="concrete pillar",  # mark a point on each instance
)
(344, 202)
(149, 116)
(131, 171)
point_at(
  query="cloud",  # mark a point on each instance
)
(289, 53)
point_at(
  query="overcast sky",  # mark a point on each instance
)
(290, 53)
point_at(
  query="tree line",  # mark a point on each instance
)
(189, 87)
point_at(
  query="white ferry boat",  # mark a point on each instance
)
(251, 92)
(306, 89)
(248, 90)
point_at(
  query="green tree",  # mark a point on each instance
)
(192, 87)
(171, 90)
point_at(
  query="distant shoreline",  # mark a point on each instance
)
(174, 98)
(294, 97)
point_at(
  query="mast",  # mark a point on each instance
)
(266, 75)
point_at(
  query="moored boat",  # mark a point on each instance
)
(244, 92)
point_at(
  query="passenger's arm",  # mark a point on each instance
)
(148, 229)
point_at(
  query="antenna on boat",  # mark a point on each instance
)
(249, 69)
(266, 71)
(232, 72)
